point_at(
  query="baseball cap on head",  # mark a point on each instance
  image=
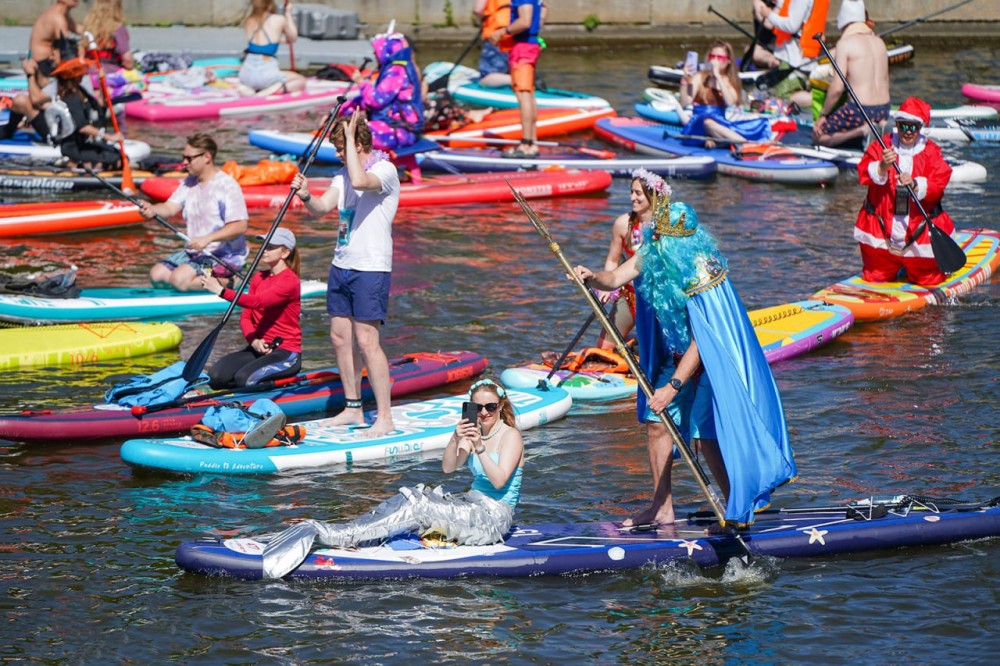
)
(282, 237)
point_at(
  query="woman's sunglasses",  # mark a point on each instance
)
(723, 58)
(490, 407)
(909, 127)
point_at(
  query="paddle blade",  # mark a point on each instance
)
(438, 83)
(200, 356)
(127, 184)
(947, 253)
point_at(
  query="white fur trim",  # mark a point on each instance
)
(915, 250)
(920, 188)
(904, 116)
(879, 178)
(851, 11)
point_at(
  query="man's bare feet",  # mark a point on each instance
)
(350, 416)
(380, 427)
(663, 515)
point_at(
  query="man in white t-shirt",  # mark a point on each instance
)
(216, 216)
(365, 194)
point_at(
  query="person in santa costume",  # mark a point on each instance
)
(889, 218)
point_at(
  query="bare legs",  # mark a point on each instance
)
(344, 331)
(622, 317)
(529, 116)
(182, 278)
(661, 460)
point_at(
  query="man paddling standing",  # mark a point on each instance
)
(700, 353)
(366, 194)
(862, 57)
(523, 58)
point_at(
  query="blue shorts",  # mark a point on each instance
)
(691, 408)
(493, 60)
(362, 295)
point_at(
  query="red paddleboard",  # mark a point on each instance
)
(432, 191)
(30, 219)
(315, 392)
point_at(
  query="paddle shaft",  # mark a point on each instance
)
(699, 474)
(442, 82)
(922, 18)
(201, 354)
(569, 348)
(476, 139)
(875, 133)
(310, 157)
(126, 169)
(184, 237)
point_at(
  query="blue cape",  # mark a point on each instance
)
(758, 129)
(749, 416)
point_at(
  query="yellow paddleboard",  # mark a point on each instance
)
(79, 344)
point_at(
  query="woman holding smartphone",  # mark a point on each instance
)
(491, 444)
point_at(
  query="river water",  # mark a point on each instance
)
(906, 406)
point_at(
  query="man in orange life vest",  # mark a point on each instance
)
(494, 67)
(889, 218)
(794, 23)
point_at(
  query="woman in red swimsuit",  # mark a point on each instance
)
(626, 237)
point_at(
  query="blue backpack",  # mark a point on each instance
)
(162, 386)
(233, 425)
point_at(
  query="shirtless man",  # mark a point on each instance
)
(862, 57)
(48, 47)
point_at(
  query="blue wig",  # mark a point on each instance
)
(670, 264)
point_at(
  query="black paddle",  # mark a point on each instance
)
(947, 253)
(922, 18)
(714, 500)
(442, 82)
(184, 237)
(200, 356)
(544, 383)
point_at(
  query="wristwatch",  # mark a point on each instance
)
(306, 196)
(480, 450)
(676, 383)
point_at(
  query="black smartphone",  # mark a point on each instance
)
(470, 411)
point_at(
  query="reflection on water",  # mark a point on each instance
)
(86, 553)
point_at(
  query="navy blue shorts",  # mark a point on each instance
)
(363, 295)
(493, 60)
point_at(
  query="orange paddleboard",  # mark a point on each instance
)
(506, 124)
(884, 300)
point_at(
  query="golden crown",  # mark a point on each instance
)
(661, 219)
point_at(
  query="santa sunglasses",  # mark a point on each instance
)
(909, 127)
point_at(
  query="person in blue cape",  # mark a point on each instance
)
(712, 92)
(699, 350)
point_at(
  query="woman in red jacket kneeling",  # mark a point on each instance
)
(889, 217)
(270, 320)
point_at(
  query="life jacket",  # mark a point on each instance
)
(395, 50)
(163, 386)
(761, 151)
(496, 15)
(289, 435)
(815, 22)
(595, 359)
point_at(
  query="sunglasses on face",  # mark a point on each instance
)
(190, 158)
(722, 58)
(909, 127)
(490, 407)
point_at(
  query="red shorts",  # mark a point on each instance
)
(880, 265)
(522, 60)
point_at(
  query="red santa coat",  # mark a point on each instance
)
(930, 178)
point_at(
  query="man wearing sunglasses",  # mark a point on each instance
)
(888, 219)
(212, 204)
(862, 57)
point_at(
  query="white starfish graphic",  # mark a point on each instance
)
(690, 545)
(817, 535)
